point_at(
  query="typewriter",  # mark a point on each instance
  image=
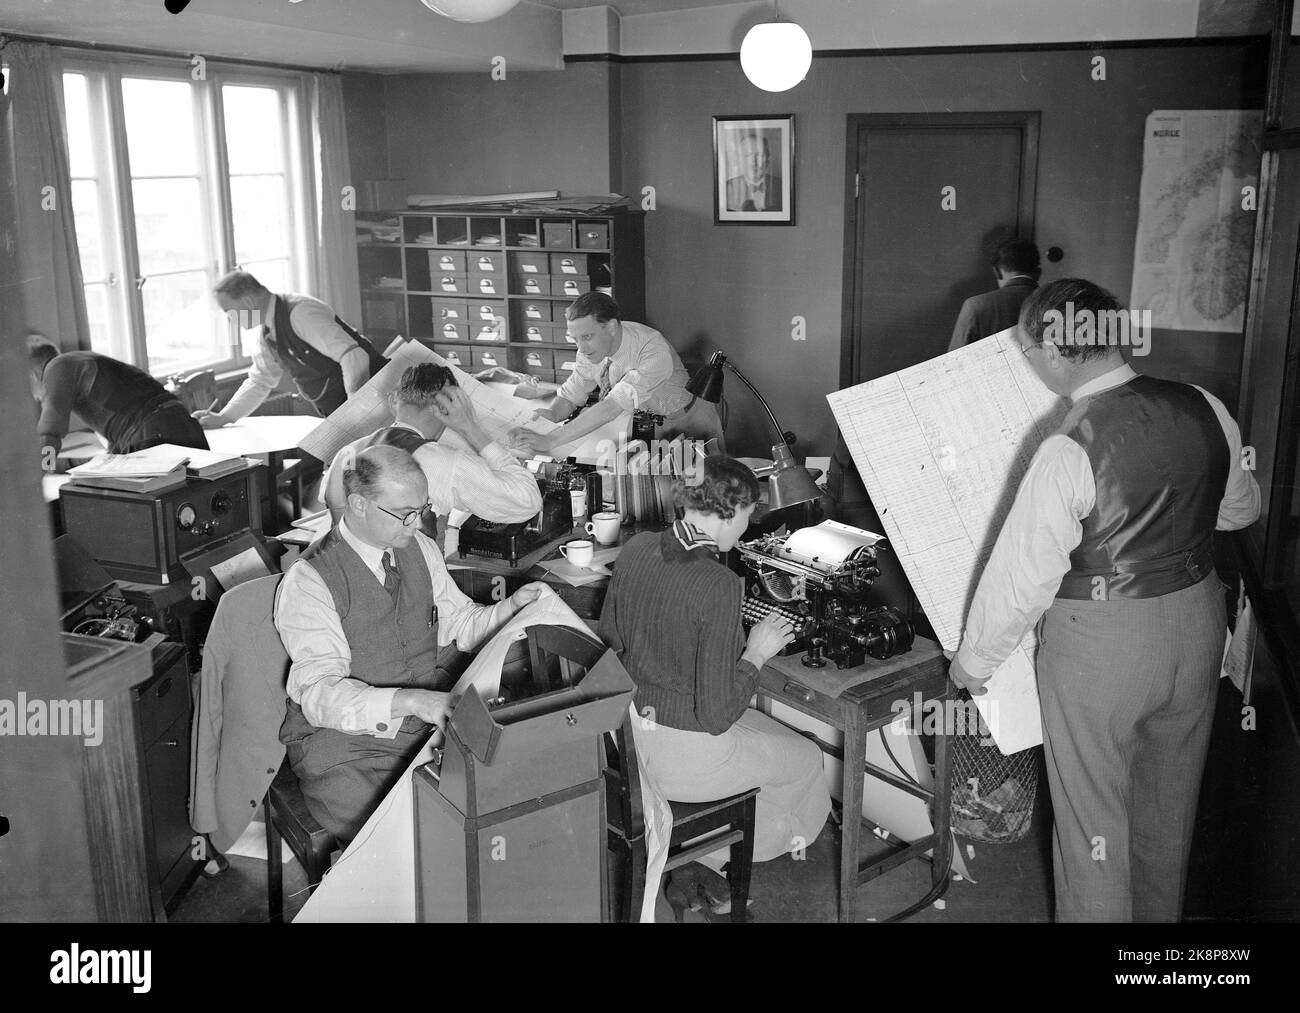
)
(511, 541)
(818, 578)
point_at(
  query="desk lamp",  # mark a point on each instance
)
(789, 483)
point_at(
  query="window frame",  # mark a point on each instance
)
(105, 74)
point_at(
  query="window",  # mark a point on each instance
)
(176, 181)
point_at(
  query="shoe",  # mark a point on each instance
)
(214, 867)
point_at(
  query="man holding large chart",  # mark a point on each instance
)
(1108, 548)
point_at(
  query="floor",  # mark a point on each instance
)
(1012, 882)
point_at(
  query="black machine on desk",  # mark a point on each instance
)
(511, 541)
(818, 577)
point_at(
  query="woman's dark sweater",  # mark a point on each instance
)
(673, 617)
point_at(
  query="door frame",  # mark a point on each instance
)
(858, 123)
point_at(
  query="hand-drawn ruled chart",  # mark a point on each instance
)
(941, 448)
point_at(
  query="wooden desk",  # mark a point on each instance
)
(274, 437)
(858, 701)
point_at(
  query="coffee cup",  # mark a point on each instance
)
(605, 527)
(579, 552)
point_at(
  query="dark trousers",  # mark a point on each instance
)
(1127, 689)
(169, 424)
(344, 777)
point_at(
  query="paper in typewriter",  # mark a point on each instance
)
(941, 448)
(498, 413)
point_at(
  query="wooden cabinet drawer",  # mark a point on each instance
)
(570, 287)
(569, 263)
(487, 263)
(446, 262)
(451, 284)
(450, 309)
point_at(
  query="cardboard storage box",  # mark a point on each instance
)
(569, 263)
(593, 236)
(487, 263)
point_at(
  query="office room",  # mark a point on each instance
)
(494, 461)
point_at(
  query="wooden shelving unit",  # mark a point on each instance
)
(490, 288)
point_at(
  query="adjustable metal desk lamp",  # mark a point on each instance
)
(789, 483)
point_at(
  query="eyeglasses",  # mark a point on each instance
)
(1026, 349)
(408, 518)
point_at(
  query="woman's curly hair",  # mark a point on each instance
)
(727, 486)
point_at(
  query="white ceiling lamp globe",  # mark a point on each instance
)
(470, 10)
(775, 56)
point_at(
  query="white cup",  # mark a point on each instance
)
(605, 527)
(578, 502)
(579, 553)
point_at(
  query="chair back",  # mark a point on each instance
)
(195, 390)
(623, 781)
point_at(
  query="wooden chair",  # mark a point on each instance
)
(194, 390)
(287, 818)
(726, 821)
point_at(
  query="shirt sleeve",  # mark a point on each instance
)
(724, 683)
(459, 618)
(62, 379)
(263, 377)
(491, 484)
(583, 381)
(1031, 555)
(320, 674)
(1240, 505)
(965, 330)
(653, 366)
(314, 322)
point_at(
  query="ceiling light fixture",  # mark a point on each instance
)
(775, 56)
(470, 10)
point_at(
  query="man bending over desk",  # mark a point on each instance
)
(465, 468)
(365, 615)
(634, 368)
(122, 403)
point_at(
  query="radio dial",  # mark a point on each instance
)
(186, 515)
(222, 504)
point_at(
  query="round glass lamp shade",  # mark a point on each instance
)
(775, 56)
(470, 10)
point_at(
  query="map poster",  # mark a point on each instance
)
(1196, 223)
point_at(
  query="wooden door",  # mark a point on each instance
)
(930, 196)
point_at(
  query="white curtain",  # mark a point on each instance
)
(48, 287)
(337, 279)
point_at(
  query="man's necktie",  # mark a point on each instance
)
(604, 377)
(392, 579)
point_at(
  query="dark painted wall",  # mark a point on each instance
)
(466, 133)
(737, 287)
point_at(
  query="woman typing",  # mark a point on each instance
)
(672, 614)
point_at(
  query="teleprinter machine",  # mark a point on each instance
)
(511, 541)
(818, 578)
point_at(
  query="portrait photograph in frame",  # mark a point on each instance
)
(753, 170)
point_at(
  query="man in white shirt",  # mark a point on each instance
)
(365, 615)
(634, 368)
(1108, 543)
(327, 360)
(467, 471)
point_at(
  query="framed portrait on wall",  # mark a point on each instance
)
(753, 170)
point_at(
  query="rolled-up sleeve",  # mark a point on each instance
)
(1031, 555)
(62, 379)
(653, 366)
(1240, 505)
(583, 381)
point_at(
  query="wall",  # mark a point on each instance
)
(466, 133)
(738, 287)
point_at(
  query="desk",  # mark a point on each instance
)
(858, 701)
(274, 437)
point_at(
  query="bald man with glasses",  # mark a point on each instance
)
(366, 616)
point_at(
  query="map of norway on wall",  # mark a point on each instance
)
(1191, 265)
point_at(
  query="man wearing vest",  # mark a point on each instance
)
(365, 615)
(122, 403)
(467, 471)
(1108, 543)
(327, 360)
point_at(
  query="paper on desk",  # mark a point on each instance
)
(576, 576)
(498, 413)
(941, 448)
